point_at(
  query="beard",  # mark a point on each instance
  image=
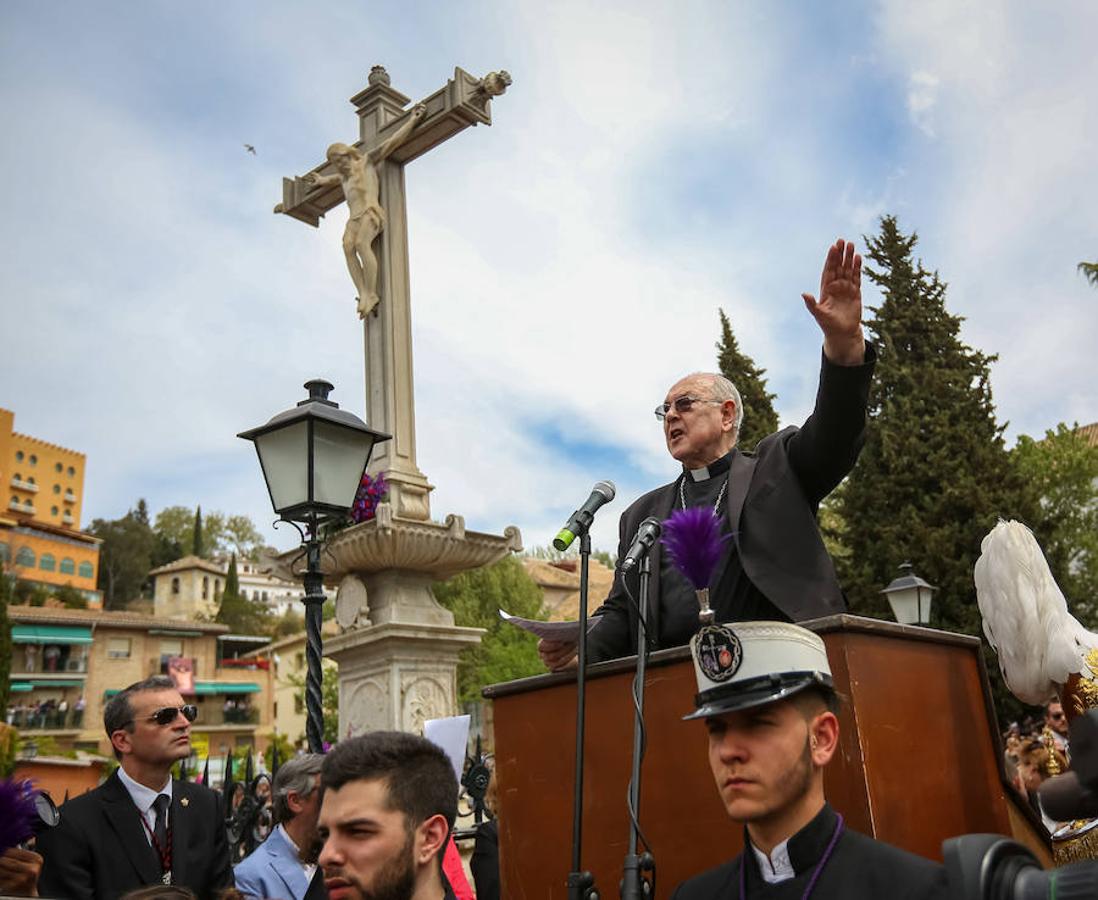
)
(396, 880)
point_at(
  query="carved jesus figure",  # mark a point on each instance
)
(358, 176)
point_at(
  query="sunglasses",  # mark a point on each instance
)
(167, 714)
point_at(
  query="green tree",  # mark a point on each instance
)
(198, 548)
(1090, 271)
(70, 597)
(759, 418)
(329, 697)
(125, 556)
(934, 474)
(242, 537)
(290, 622)
(505, 652)
(242, 615)
(1062, 472)
(6, 585)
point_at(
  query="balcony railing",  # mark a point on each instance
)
(26, 507)
(63, 666)
(70, 497)
(30, 719)
(24, 485)
(209, 714)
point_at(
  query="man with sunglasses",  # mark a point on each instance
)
(774, 565)
(140, 827)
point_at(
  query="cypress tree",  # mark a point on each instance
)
(197, 548)
(759, 418)
(934, 473)
(242, 615)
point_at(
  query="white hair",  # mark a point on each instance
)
(723, 389)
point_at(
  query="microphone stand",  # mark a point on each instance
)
(581, 884)
(634, 884)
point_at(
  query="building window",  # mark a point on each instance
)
(175, 585)
(53, 510)
(33, 460)
(18, 476)
(25, 557)
(299, 661)
(30, 479)
(299, 704)
(57, 489)
(47, 563)
(264, 596)
(118, 648)
(205, 587)
(87, 570)
(68, 567)
(171, 647)
(57, 467)
(72, 471)
(18, 457)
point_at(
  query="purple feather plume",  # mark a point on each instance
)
(17, 812)
(694, 541)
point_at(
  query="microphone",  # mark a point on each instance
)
(601, 494)
(1064, 798)
(646, 536)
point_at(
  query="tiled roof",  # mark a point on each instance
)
(108, 618)
(189, 562)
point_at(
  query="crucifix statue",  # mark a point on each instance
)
(369, 175)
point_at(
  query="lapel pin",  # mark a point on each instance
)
(185, 802)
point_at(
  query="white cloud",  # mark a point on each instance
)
(922, 95)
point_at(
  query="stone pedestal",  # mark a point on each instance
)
(398, 651)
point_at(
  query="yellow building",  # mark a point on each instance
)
(66, 663)
(40, 536)
(188, 588)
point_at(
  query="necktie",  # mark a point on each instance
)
(160, 829)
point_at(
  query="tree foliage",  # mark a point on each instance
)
(1061, 471)
(6, 585)
(198, 546)
(934, 474)
(241, 614)
(1090, 272)
(125, 556)
(177, 526)
(759, 418)
(505, 652)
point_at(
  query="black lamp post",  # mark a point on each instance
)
(910, 597)
(313, 457)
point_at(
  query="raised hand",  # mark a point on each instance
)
(838, 311)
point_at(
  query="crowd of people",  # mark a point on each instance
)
(1035, 750)
(46, 714)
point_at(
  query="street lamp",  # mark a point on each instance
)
(313, 457)
(910, 597)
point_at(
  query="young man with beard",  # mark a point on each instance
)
(389, 802)
(768, 701)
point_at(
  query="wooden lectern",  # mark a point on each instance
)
(919, 760)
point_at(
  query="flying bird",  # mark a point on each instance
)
(250, 149)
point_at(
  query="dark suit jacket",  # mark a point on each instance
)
(773, 495)
(100, 849)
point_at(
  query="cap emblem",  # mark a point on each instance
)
(718, 651)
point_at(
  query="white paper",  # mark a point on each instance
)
(452, 735)
(551, 631)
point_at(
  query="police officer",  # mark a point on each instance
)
(769, 704)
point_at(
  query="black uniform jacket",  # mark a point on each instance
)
(859, 867)
(100, 849)
(773, 494)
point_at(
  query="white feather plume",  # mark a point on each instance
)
(1026, 619)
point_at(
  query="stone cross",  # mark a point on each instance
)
(391, 136)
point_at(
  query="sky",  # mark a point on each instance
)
(650, 164)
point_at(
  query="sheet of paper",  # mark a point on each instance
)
(452, 735)
(551, 631)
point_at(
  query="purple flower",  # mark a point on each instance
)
(17, 812)
(371, 491)
(694, 543)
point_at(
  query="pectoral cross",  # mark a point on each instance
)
(369, 174)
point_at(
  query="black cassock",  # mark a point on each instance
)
(858, 867)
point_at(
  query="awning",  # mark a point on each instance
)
(50, 634)
(225, 687)
(206, 688)
(24, 686)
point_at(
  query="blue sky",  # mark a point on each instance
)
(651, 163)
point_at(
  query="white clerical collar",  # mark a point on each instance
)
(143, 797)
(715, 468)
(776, 867)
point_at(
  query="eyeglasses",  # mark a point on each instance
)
(167, 714)
(681, 405)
